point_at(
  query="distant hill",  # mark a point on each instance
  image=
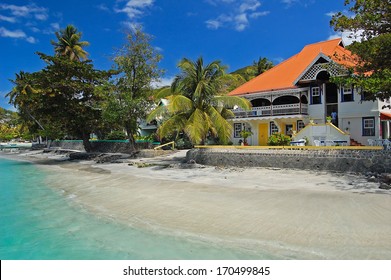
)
(247, 72)
(7, 116)
(258, 67)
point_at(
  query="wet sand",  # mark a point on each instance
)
(289, 213)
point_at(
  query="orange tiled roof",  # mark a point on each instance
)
(284, 75)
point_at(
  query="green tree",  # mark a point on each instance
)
(61, 98)
(69, 44)
(262, 65)
(130, 96)
(372, 20)
(257, 68)
(195, 106)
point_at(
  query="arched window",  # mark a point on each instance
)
(260, 102)
(287, 99)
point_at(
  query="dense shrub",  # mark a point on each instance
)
(278, 139)
(116, 135)
(183, 143)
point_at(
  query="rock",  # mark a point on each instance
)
(386, 178)
(372, 179)
(82, 156)
(385, 186)
(192, 161)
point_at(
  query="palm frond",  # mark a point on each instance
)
(222, 126)
(231, 101)
(163, 93)
(179, 104)
(197, 127)
(172, 125)
(158, 112)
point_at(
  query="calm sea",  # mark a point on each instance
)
(37, 222)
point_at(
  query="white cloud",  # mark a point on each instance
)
(250, 5)
(259, 14)
(31, 10)
(213, 24)
(8, 19)
(31, 40)
(240, 11)
(330, 14)
(348, 37)
(16, 34)
(103, 7)
(289, 2)
(55, 26)
(26, 16)
(131, 25)
(164, 82)
(12, 34)
(135, 8)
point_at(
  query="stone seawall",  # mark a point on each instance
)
(357, 161)
(99, 146)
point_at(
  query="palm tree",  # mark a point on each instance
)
(69, 44)
(195, 105)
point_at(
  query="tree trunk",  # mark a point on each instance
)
(132, 141)
(86, 142)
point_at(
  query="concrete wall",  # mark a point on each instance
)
(357, 161)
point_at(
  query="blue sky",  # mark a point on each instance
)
(237, 32)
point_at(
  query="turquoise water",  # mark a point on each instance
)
(37, 222)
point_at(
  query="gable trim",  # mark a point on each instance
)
(320, 55)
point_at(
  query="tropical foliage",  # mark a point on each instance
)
(10, 128)
(61, 98)
(371, 21)
(129, 98)
(278, 139)
(257, 68)
(196, 106)
(68, 44)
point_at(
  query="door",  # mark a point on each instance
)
(262, 134)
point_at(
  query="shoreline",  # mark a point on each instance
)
(288, 213)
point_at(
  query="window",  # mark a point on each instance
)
(347, 94)
(315, 95)
(300, 125)
(237, 130)
(289, 130)
(273, 128)
(368, 126)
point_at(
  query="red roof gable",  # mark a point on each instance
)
(285, 74)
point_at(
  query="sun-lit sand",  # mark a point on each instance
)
(290, 213)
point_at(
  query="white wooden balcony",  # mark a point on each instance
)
(274, 110)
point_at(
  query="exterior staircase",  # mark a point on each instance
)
(355, 143)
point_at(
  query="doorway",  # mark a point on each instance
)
(332, 102)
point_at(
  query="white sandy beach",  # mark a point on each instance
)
(290, 213)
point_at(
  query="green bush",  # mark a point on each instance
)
(116, 135)
(183, 143)
(278, 139)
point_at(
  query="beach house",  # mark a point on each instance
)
(298, 93)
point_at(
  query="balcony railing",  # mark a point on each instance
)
(275, 110)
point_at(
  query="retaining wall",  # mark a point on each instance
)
(357, 161)
(106, 146)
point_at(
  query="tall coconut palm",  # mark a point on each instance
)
(69, 44)
(196, 106)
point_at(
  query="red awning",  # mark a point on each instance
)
(385, 116)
